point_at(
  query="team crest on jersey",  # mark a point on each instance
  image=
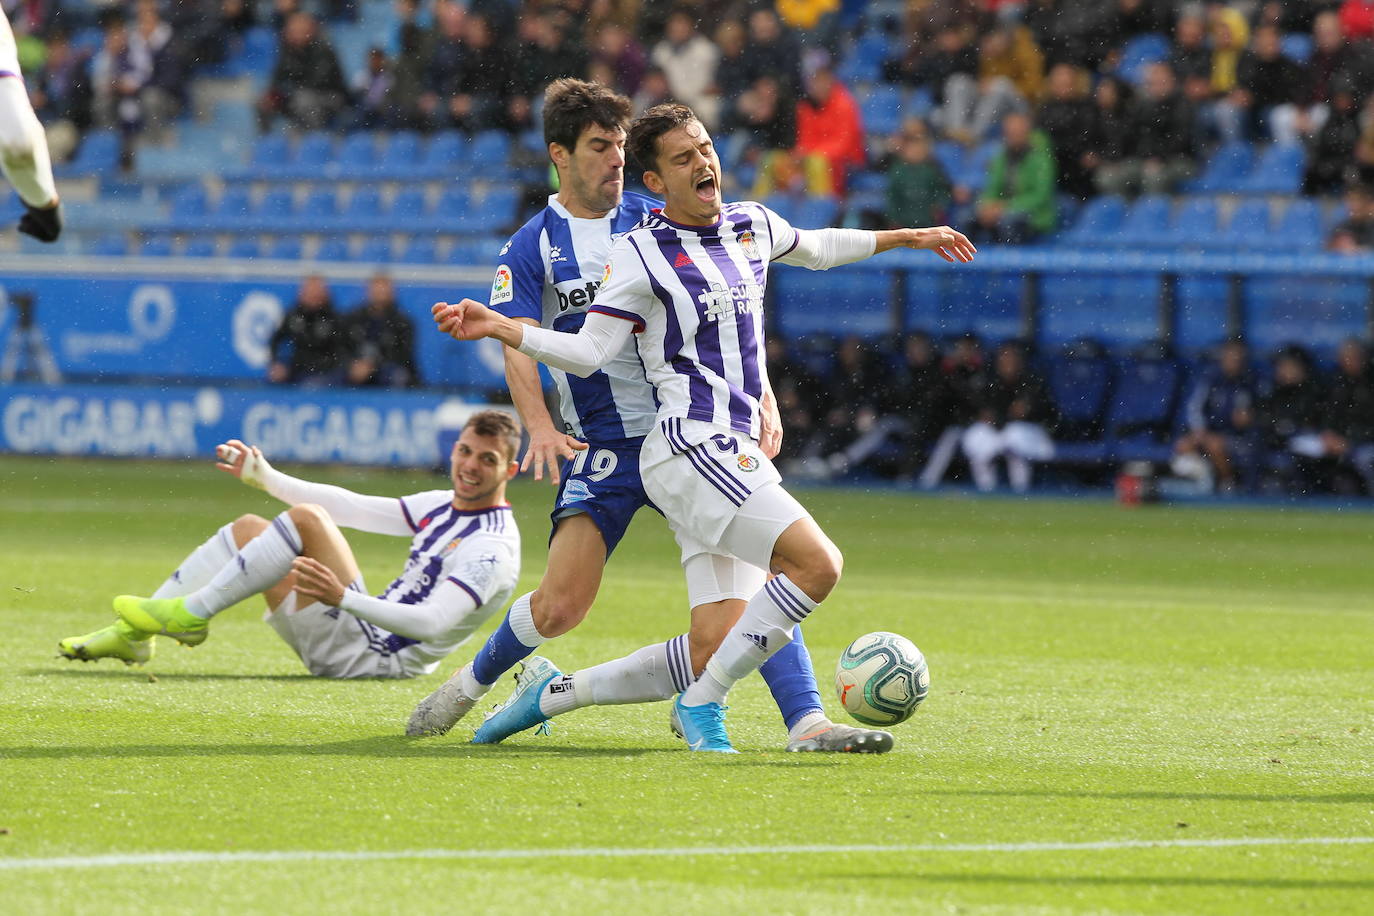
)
(575, 491)
(451, 546)
(747, 463)
(502, 289)
(751, 247)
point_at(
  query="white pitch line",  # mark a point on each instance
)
(122, 860)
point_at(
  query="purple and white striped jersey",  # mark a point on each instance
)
(695, 294)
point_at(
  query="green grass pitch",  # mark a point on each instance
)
(1125, 706)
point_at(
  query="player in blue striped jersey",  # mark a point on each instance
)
(548, 277)
(688, 284)
(463, 565)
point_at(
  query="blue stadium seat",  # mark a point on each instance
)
(785, 205)
(451, 211)
(974, 168)
(286, 248)
(469, 252)
(863, 63)
(408, 208)
(489, 152)
(1143, 403)
(1300, 226)
(201, 246)
(881, 110)
(270, 152)
(112, 245)
(1249, 225)
(1147, 223)
(332, 248)
(493, 212)
(817, 212)
(1138, 53)
(313, 153)
(920, 103)
(190, 203)
(233, 207)
(445, 152)
(1225, 171)
(244, 247)
(1080, 380)
(1196, 223)
(421, 250)
(97, 154)
(275, 206)
(364, 210)
(319, 208)
(156, 246)
(375, 250)
(950, 155)
(1278, 171)
(357, 154)
(1098, 222)
(402, 154)
(1297, 45)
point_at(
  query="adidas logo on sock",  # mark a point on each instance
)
(759, 640)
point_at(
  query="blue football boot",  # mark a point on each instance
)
(521, 711)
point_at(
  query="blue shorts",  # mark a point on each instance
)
(603, 481)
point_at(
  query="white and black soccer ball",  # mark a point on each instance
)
(881, 679)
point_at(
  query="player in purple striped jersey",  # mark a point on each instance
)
(689, 282)
(463, 565)
(548, 278)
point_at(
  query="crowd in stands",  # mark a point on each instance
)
(921, 413)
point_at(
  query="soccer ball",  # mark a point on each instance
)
(881, 679)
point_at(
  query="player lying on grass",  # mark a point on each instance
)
(463, 565)
(547, 277)
(24, 147)
(689, 281)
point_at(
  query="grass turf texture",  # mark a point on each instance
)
(1098, 674)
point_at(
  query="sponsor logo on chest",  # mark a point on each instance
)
(721, 301)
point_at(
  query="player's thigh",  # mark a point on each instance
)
(760, 525)
(322, 540)
(807, 556)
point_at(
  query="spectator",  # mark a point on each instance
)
(1013, 416)
(932, 63)
(1357, 18)
(1071, 33)
(307, 87)
(409, 69)
(119, 73)
(964, 376)
(773, 51)
(1333, 150)
(164, 95)
(853, 399)
(1355, 234)
(797, 393)
(1067, 117)
(688, 59)
(1334, 62)
(475, 99)
(973, 105)
(1190, 58)
(61, 95)
(1362, 169)
(445, 70)
(1347, 436)
(770, 123)
(1265, 79)
(381, 339)
(1230, 35)
(374, 90)
(617, 48)
(1289, 418)
(1220, 419)
(1010, 53)
(830, 134)
(1164, 150)
(653, 90)
(309, 347)
(1017, 204)
(732, 72)
(1111, 130)
(918, 190)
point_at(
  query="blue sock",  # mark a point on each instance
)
(793, 682)
(512, 642)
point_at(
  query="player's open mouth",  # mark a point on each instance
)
(706, 188)
(469, 481)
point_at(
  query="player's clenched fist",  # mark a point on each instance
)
(468, 320)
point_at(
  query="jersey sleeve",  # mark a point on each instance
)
(483, 567)
(625, 290)
(517, 290)
(782, 237)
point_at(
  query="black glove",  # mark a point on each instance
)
(43, 223)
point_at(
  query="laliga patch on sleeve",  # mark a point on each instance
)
(605, 275)
(502, 288)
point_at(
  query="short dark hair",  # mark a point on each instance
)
(500, 424)
(572, 105)
(642, 143)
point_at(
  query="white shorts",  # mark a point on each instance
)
(9, 53)
(719, 492)
(332, 642)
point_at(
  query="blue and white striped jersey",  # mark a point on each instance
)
(695, 294)
(550, 271)
(475, 551)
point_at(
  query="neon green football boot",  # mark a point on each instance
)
(118, 640)
(162, 617)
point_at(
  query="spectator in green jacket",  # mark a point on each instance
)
(918, 191)
(1017, 204)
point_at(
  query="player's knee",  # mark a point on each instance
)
(308, 516)
(822, 571)
(247, 527)
(555, 615)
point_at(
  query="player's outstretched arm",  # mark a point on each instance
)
(602, 336)
(378, 514)
(24, 160)
(950, 244)
(548, 444)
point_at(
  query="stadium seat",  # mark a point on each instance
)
(190, 203)
(450, 213)
(314, 152)
(286, 248)
(1080, 380)
(1225, 171)
(365, 210)
(408, 208)
(1278, 171)
(320, 208)
(919, 104)
(1300, 227)
(1147, 223)
(489, 154)
(98, 154)
(1138, 53)
(473, 252)
(245, 247)
(492, 212)
(1098, 222)
(401, 156)
(421, 250)
(113, 245)
(233, 207)
(156, 246)
(375, 250)
(1144, 399)
(1249, 225)
(974, 167)
(1195, 224)
(270, 152)
(864, 62)
(1297, 46)
(332, 248)
(881, 110)
(357, 154)
(201, 246)
(950, 155)
(275, 207)
(443, 155)
(817, 212)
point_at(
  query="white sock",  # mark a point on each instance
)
(811, 722)
(196, 571)
(656, 672)
(262, 563)
(522, 622)
(472, 688)
(764, 628)
(24, 147)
